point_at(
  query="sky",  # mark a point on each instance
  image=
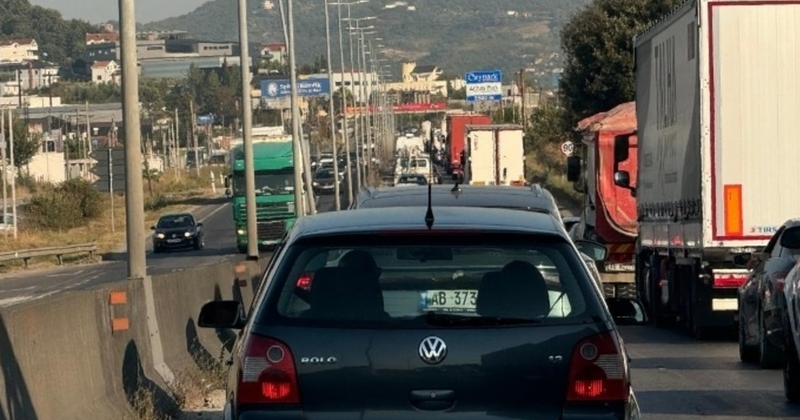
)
(101, 11)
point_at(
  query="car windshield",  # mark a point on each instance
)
(173, 222)
(438, 280)
(324, 174)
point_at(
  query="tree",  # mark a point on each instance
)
(548, 127)
(337, 99)
(26, 145)
(598, 44)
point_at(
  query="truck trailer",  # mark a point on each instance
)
(716, 109)
(608, 215)
(455, 140)
(495, 155)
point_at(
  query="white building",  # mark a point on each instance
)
(18, 50)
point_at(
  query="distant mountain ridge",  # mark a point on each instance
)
(456, 35)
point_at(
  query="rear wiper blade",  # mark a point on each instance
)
(439, 319)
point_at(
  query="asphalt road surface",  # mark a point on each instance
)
(220, 246)
(678, 378)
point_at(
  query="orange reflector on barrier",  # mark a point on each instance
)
(120, 324)
(240, 269)
(733, 210)
(118, 298)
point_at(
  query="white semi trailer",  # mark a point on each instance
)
(717, 100)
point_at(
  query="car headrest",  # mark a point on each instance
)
(517, 291)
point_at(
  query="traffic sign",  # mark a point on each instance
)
(568, 148)
(109, 169)
(484, 85)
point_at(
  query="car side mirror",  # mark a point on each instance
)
(743, 260)
(227, 181)
(200, 224)
(622, 179)
(621, 148)
(626, 311)
(221, 314)
(597, 251)
(152, 228)
(228, 193)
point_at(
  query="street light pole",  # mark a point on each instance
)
(247, 137)
(356, 112)
(331, 113)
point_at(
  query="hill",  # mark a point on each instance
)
(456, 35)
(63, 40)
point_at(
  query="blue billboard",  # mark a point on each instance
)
(281, 88)
(484, 85)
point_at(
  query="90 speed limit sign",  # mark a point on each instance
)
(568, 148)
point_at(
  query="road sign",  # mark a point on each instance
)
(109, 169)
(484, 85)
(281, 88)
(568, 148)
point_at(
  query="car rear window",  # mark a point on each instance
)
(430, 280)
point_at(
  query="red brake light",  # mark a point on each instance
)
(597, 371)
(729, 281)
(304, 281)
(268, 374)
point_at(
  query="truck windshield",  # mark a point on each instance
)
(266, 184)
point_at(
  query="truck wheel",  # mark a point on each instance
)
(770, 357)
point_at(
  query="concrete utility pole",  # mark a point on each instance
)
(331, 113)
(299, 202)
(13, 171)
(247, 136)
(134, 187)
(345, 128)
(194, 138)
(3, 163)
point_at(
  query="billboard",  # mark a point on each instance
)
(484, 85)
(282, 88)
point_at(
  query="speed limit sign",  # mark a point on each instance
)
(568, 148)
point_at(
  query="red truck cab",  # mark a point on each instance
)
(456, 139)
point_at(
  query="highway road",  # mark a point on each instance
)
(220, 246)
(678, 378)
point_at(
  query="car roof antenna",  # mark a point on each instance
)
(429, 214)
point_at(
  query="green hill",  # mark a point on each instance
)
(456, 35)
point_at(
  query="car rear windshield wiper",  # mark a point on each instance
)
(440, 319)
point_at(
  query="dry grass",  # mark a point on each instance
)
(144, 406)
(191, 386)
(554, 178)
(170, 192)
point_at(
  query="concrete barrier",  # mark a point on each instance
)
(85, 354)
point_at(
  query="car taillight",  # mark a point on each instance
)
(597, 370)
(304, 281)
(780, 280)
(268, 373)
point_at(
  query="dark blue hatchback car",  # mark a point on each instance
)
(486, 314)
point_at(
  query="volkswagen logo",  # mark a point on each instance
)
(432, 350)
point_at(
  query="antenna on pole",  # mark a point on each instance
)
(429, 214)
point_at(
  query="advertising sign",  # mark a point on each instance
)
(484, 85)
(282, 88)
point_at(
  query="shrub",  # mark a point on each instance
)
(67, 205)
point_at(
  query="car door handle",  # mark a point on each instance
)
(433, 399)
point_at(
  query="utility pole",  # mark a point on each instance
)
(345, 129)
(13, 171)
(176, 139)
(194, 137)
(88, 128)
(134, 192)
(331, 114)
(296, 140)
(522, 95)
(247, 136)
(3, 162)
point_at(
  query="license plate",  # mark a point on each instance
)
(619, 267)
(449, 300)
(173, 241)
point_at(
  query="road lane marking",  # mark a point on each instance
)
(215, 211)
(71, 273)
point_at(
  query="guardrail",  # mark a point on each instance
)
(53, 251)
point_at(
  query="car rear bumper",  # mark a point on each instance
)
(590, 411)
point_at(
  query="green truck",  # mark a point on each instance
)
(273, 162)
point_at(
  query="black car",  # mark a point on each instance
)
(325, 181)
(761, 300)
(471, 313)
(179, 230)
